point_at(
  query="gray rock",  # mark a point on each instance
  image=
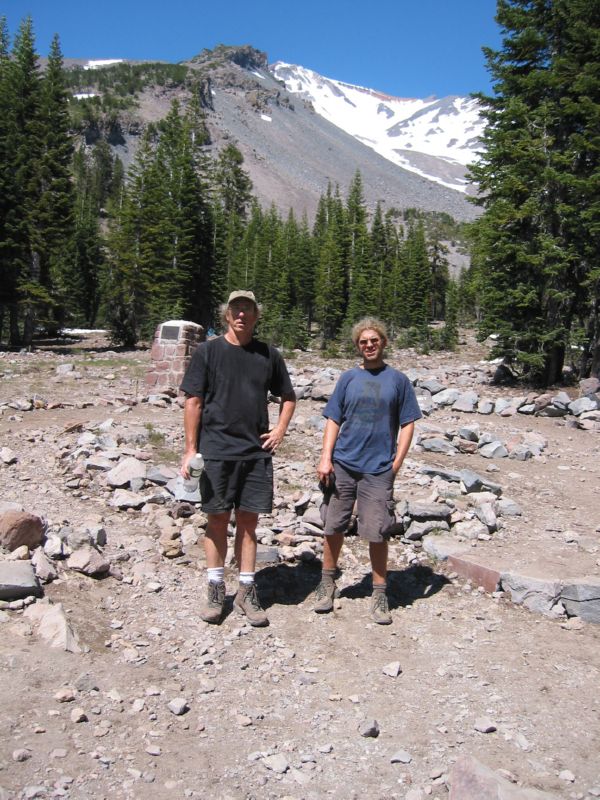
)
(589, 386)
(582, 405)
(440, 547)
(485, 513)
(437, 445)
(581, 597)
(446, 397)
(536, 594)
(7, 456)
(485, 406)
(43, 566)
(161, 474)
(19, 528)
(17, 579)
(493, 450)
(469, 432)
(552, 411)
(393, 669)
(473, 482)
(484, 725)
(126, 470)
(466, 402)
(88, 561)
(401, 757)
(508, 508)
(53, 625)
(431, 384)
(469, 779)
(369, 729)
(322, 389)
(520, 452)
(417, 530)
(470, 529)
(277, 763)
(425, 403)
(123, 499)
(444, 474)
(178, 706)
(184, 490)
(98, 463)
(427, 511)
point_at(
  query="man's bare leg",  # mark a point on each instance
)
(245, 540)
(246, 600)
(325, 591)
(215, 539)
(215, 551)
(380, 613)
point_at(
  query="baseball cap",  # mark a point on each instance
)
(237, 294)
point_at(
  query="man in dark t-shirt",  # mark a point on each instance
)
(226, 419)
(370, 422)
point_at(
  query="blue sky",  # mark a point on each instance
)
(408, 48)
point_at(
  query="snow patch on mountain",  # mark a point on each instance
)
(433, 137)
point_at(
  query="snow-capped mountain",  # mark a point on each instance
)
(435, 138)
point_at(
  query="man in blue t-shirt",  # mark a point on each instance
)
(370, 423)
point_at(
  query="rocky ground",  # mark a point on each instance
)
(113, 687)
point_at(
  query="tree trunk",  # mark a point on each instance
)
(14, 338)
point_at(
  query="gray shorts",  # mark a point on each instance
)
(247, 485)
(374, 496)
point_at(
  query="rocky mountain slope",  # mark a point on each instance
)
(433, 137)
(291, 152)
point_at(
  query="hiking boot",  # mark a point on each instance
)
(213, 610)
(324, 594)
(380, 611)
(247, 602)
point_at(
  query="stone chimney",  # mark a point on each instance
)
(174, 343)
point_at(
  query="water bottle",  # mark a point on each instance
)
(196, 466)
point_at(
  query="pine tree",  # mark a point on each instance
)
(55, 207)
(538, 182)
(362, 280)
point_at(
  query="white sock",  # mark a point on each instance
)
(246, 578)
(215, 574)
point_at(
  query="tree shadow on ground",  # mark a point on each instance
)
(404, 586)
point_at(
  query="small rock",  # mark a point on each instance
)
(484, 725)
(393, 669)
(369, 729)
(401, 757)
(178, 706)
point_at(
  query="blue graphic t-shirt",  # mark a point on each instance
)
(370, 406)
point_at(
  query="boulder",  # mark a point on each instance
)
(536, 594)
(469, 779)
(88, 561)
(20, 527)
(17, 579)
(126, 471)
(581, 598)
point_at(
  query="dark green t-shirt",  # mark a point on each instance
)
(234, 383)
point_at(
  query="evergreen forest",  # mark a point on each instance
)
(84, 243)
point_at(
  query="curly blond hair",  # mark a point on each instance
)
(369, 323)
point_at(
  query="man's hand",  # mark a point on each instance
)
(185, 463)
(272, 439)
(325, 470)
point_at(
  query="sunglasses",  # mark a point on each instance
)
(365, 342)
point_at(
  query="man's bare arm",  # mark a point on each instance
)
(325, 468)
(404, 440)
(272, 439)
(192, 417)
